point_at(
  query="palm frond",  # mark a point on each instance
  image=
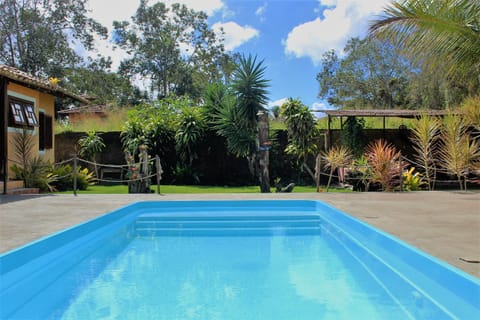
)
(425, 134)
(444, 32)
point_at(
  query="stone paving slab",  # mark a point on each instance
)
(444, 224)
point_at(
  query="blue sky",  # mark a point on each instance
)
(290, 36)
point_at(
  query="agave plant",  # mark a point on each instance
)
(425, 133)
(385, 164)
(336, 157)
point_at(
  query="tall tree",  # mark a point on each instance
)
(371, 74)
(173, 46)
(106, 87)
(36, 35)
(442, 34)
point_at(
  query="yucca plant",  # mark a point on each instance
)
(425, 133)
(250, 87)
(385, 164)
(459, 152)
(336, 157)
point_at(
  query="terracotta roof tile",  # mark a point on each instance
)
(27, 79)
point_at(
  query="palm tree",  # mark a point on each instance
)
(441, 32)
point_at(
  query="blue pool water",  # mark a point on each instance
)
(230, 260)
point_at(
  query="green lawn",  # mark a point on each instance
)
(170, 189)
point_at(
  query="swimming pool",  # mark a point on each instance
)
(230, 260)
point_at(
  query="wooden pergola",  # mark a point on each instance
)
(379, 113)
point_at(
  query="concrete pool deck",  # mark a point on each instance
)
(444, 224)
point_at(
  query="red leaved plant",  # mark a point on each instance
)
(385, 164)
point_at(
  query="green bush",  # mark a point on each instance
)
(36, 173)
(64, 180)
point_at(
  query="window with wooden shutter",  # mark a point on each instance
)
(21, 113)
(30, 114)
(17, 117)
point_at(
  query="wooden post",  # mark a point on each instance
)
(329, 133)
(74, 172)
(401, 172)
(158, 166)
(318, 168)
(4, 132)
(264, 147)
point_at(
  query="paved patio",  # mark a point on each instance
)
(444, 224)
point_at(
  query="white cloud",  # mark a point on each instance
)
(260, 12)
(276, 103)
(235, 34)
(321, 106)
(342, 19)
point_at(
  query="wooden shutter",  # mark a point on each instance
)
(48, 132)
(41, 131)
(45, 133)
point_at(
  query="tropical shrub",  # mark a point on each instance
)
(36, 173)
(302, 132)
(90, 146)
(385, 164)
(336, 157)
(358, 174)
(154, 125)
(190, 129)
(64, 178)
(425, 134)
(459, 151)
(353, 136)
(412, 181)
